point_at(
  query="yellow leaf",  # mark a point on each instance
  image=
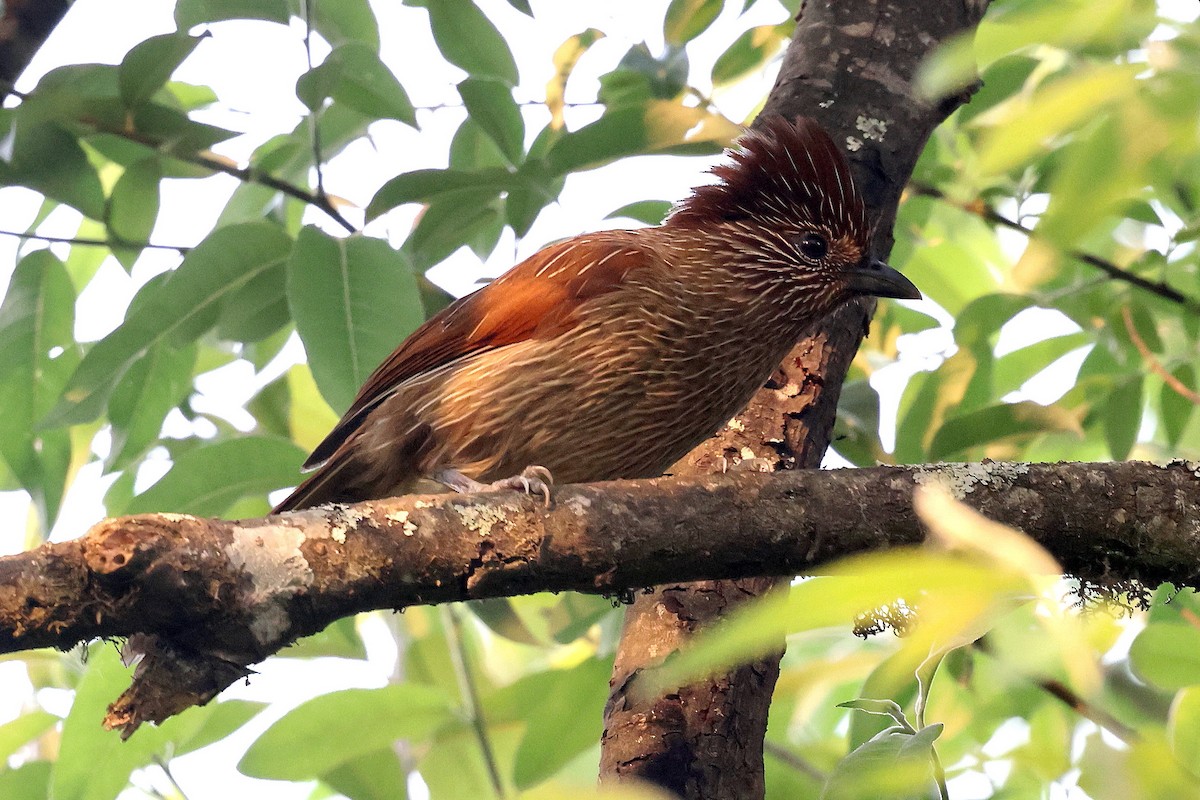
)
(1026, 123)
(565, 58)
(309, 417)
(955, 526)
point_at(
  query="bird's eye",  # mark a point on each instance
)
(813, 246)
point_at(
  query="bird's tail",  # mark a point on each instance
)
(326, 485)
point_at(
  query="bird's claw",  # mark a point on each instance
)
(532, 480)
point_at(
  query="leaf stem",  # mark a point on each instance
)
(1156, 367)
(165, 766)
(110, 243)
(470, 694)
(313, 129)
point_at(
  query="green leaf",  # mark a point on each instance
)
(147, 67)
(1183, 727)
(651, 212)
(1001, 80)
(185, 304)
(354, 75)
(191, 97)
(974, 274)
(339, 639)
(687, 19)
(1176, 409)
(968, 586)
(64, 93)
(641, 77)
(657, 126)
(256, 310)
(207, 480)
(1167, 655)
(996, 422)
(453, 766)
(1055, 109)
(189, 13)
(16, 734)
(329, 730)
(522, 6)
(498, 614)
(535, 188)
(469, 218)
(30, 781)
(93, 763)
(37, 355)
(154, 384)
(490, 103)
(472, 149)
(353, 300)
(1123, 417)
(375, 776)
(427, 185)
(309, 417)
(894, 764)
(133, 208)
(343, 21)
(750, 51)
(469, 40)
(1012, 370)
(170, 131)
(48, 159)
(564, 722)
(222, 719)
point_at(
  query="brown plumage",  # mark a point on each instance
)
(612, 354)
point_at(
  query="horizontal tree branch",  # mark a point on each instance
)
(202, 599)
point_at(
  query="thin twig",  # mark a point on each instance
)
(1069, 698)
(110, 243)
(470, 694)
(164, 765)
(1085, 709)
(245, 174)
(795, 761)
(313, 129)
(1155, 366)
(522, 103)
(252, 175)
(989, 214)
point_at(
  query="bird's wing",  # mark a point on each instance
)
(537, 299)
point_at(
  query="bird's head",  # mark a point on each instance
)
(787, 210)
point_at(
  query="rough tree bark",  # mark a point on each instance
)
(203, 599)
(24, 26)
(851, 65)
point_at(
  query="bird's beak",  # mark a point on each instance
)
(878, 279)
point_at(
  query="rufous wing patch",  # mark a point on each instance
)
(536, 299)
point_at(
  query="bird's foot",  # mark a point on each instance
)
(532, 480)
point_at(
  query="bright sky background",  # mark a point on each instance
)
(253, 68)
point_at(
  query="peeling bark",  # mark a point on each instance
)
(203, 599)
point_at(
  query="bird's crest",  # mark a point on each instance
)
(781, 172)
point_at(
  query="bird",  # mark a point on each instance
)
(610, 355)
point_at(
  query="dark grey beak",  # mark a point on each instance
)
(879, 279)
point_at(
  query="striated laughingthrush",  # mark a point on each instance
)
(610, 355)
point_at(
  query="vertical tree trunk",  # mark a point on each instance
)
(851, 65)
